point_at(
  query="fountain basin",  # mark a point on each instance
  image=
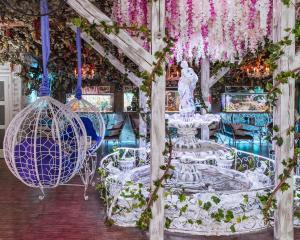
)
(200, 183)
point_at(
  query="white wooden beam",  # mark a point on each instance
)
(284, 17)
(157, 121)
(215, 78)
(122, 40)
(296, 62)
(111, 58)
(142, 122)
(205, 82)
(205, 89)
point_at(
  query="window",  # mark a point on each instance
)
(130, 102)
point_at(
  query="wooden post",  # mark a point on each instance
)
(284, 17)
(205, 89)
(205, 79)
(142, 123)
(157, 121)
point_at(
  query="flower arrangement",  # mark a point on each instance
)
(196, 26)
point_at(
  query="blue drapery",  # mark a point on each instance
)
(78, 93)
(45, 34)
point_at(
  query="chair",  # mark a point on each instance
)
(113, 134)
(237, 133)
(214, 130)
(116, 126)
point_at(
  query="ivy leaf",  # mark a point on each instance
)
(77, 22)
(286, 2)
(276, 128)
(287, 29)
(215, 199)
(229, 216)
(245, 199)
(183, 209)
(168, 222)
(297, 215)
(199, 221)
(232, 228)
(182, 197)
(269, 86)
(207, 206)
(190, 221)
(284, 187)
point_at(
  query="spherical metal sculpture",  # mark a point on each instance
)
(92, 120)
(45, 144)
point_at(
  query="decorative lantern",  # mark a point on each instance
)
(45, 144)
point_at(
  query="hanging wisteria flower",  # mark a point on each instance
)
(217, 29)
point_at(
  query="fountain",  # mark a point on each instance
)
(191, 153)
(204, 171)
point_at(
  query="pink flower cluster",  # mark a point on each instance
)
(215, 29)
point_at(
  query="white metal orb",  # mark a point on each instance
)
(45, 144)
(92, 120)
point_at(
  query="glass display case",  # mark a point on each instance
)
(244, 102)
(172, 101)
(104, 102)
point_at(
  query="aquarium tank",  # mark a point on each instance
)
(244, 102)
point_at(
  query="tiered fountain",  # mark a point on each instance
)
(191, 153)
(203, 170)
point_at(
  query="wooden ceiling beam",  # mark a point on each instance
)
(122, 40)
(111, 58)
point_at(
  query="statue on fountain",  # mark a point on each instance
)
(186, 86)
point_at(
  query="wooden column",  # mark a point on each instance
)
(284, 17)
(205, 80)
(157, 120)
(119, 101)
(142, 123)
(205, 89)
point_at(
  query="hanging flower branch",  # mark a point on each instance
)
(219, 25)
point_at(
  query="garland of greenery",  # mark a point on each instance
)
(29, 41)
(268, 201)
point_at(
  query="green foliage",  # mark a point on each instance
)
(182, 197)
(168, 222)
(268, 202)
(232, 228)
(215, 199)
(286, 2)
(207, 206)
(144, 221)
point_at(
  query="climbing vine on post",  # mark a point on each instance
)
(275, 51)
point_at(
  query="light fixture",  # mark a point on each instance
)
(87, 70)
(256, 68)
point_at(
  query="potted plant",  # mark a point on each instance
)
(226, 160)
(125, 163)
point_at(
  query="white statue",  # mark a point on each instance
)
(186, 86)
